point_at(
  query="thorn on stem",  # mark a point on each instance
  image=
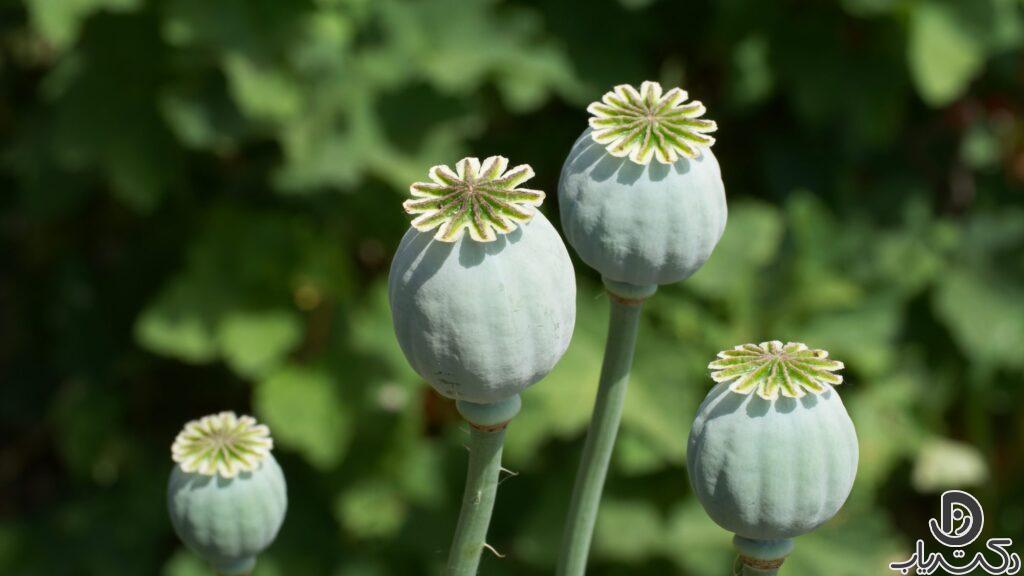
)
(510, 473)
(493, 550)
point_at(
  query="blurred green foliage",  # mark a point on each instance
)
(201, 198)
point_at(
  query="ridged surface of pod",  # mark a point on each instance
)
(642, 225)
(769, 470)
(228, 522)
(482, 321)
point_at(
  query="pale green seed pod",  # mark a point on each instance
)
(226, 495)
(481, 316)
(633, 220)
(772, 453)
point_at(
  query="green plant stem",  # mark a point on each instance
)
(604, 425)
(477, 502)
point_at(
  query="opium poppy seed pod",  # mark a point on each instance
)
(482, 290)
(641, 194)
(642, 202)
(226, 495)
(772, 453)
(483, 300)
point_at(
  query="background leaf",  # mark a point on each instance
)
(306, 413)
(202, 200)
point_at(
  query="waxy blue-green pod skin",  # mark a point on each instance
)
(482, 321)
(228, 522)
(642, 225)
(769, 470)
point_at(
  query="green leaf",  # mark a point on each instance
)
(101, 85)
(363, 568)
(224, 305)
(332, 147)
(822, 282)
(910, 258)
(867, 8)
(944, 464)
(371, 509)
(262, 91)
(527, 67)
(185, 563)
(60, 21)
(644, 535)
(87, 421)
(258, 28)
(416, 470)
(305, 412)
(538, 538)
(980, 148)
(887, 431)
(688, 530)
(754, 80)
(178, 324)
(975, 307)
(202, 116)
(373, 334)
(944, 55)
(848, 545)
(864, 337)
(751, 241)
(635, 455)
(254, 343)
(666, 385)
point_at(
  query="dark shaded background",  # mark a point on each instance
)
(201, 198)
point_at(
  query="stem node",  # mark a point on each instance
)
(762, 557)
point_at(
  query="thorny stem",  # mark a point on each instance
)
(604, 425)
(478, 501)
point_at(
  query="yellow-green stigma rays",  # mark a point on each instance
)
(222, 444)
(648, 124)
(483, 198)
(771, 368)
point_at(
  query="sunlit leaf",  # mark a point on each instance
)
(306, 413)
(178, 324)
(643, 537)
(944, 56)
(975, 310)
(255, 342)
(370, 510)
(61, 20)
(949, 465)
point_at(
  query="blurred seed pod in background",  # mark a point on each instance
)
(227, 495)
